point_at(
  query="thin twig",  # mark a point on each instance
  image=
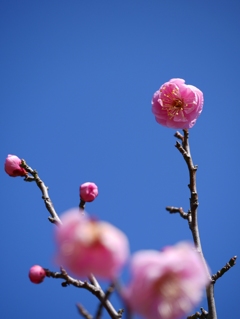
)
(179, 136)
(82, 204)
(83, 311)
(198, 315)
(222, 271)
(93, 280)
(48, 203)
(184, 149)
(108, 292)
(126, 309)
(173, 210)
(70, 281)
(95, 290)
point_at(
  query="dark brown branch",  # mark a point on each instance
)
(82, 204)
(93, 280)
(105, 302)
(179, 136)
(83, 312)
(198, 315)
(48, 203)
(108, 292)
(222, 271)
(184, 149)
(95, 289)
(173, 210)
(69, 280)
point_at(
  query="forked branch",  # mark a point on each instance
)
(224, 269)
(93, 286)
(44, 189)
(184, 149)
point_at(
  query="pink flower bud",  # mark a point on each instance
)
(12, 166)
(88, 192)
(86, 246)
(166, 284)
(177, 105)
(37, 274)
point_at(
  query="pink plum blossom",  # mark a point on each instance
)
(86, 246)
(177, 105)
(166, 284)
(36, 274)
(12, 166)
(88, 192)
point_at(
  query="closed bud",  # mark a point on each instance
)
(12, 166)
(36, 274)
(88, 192)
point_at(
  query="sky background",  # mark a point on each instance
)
(77, 78)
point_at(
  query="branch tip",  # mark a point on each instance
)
(179, 136)
(223, 270)
(83, 312)
(173, 210)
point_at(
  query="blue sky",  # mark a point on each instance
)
(77, 78)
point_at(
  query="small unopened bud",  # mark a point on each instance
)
(12, 166)
(88, 192)
(36, 274)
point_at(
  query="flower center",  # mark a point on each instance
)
(169, 289)
(168, 286)
(170, 100)
(173, 295)
(178, 104)
(174, 107)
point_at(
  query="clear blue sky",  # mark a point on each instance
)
(77, 78)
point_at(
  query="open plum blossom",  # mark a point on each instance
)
(166, 284)
(12, 166)
(88, 191)
(88, 246)
(177, 105)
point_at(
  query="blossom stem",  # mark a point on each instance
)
(82, 204)
(108, 292)
(173, 210)
(184, 149)
(44, 189)
(224, 269)
(83, 312)
(93, 286)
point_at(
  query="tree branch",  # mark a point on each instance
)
(222, 271)
(198, 315)
(83, 312)
(108, 292)
(95, 290)
(173, 210)
(44, 189)
(94, 287)
(184, 149)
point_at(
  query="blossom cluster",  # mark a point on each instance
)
(164, 284)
